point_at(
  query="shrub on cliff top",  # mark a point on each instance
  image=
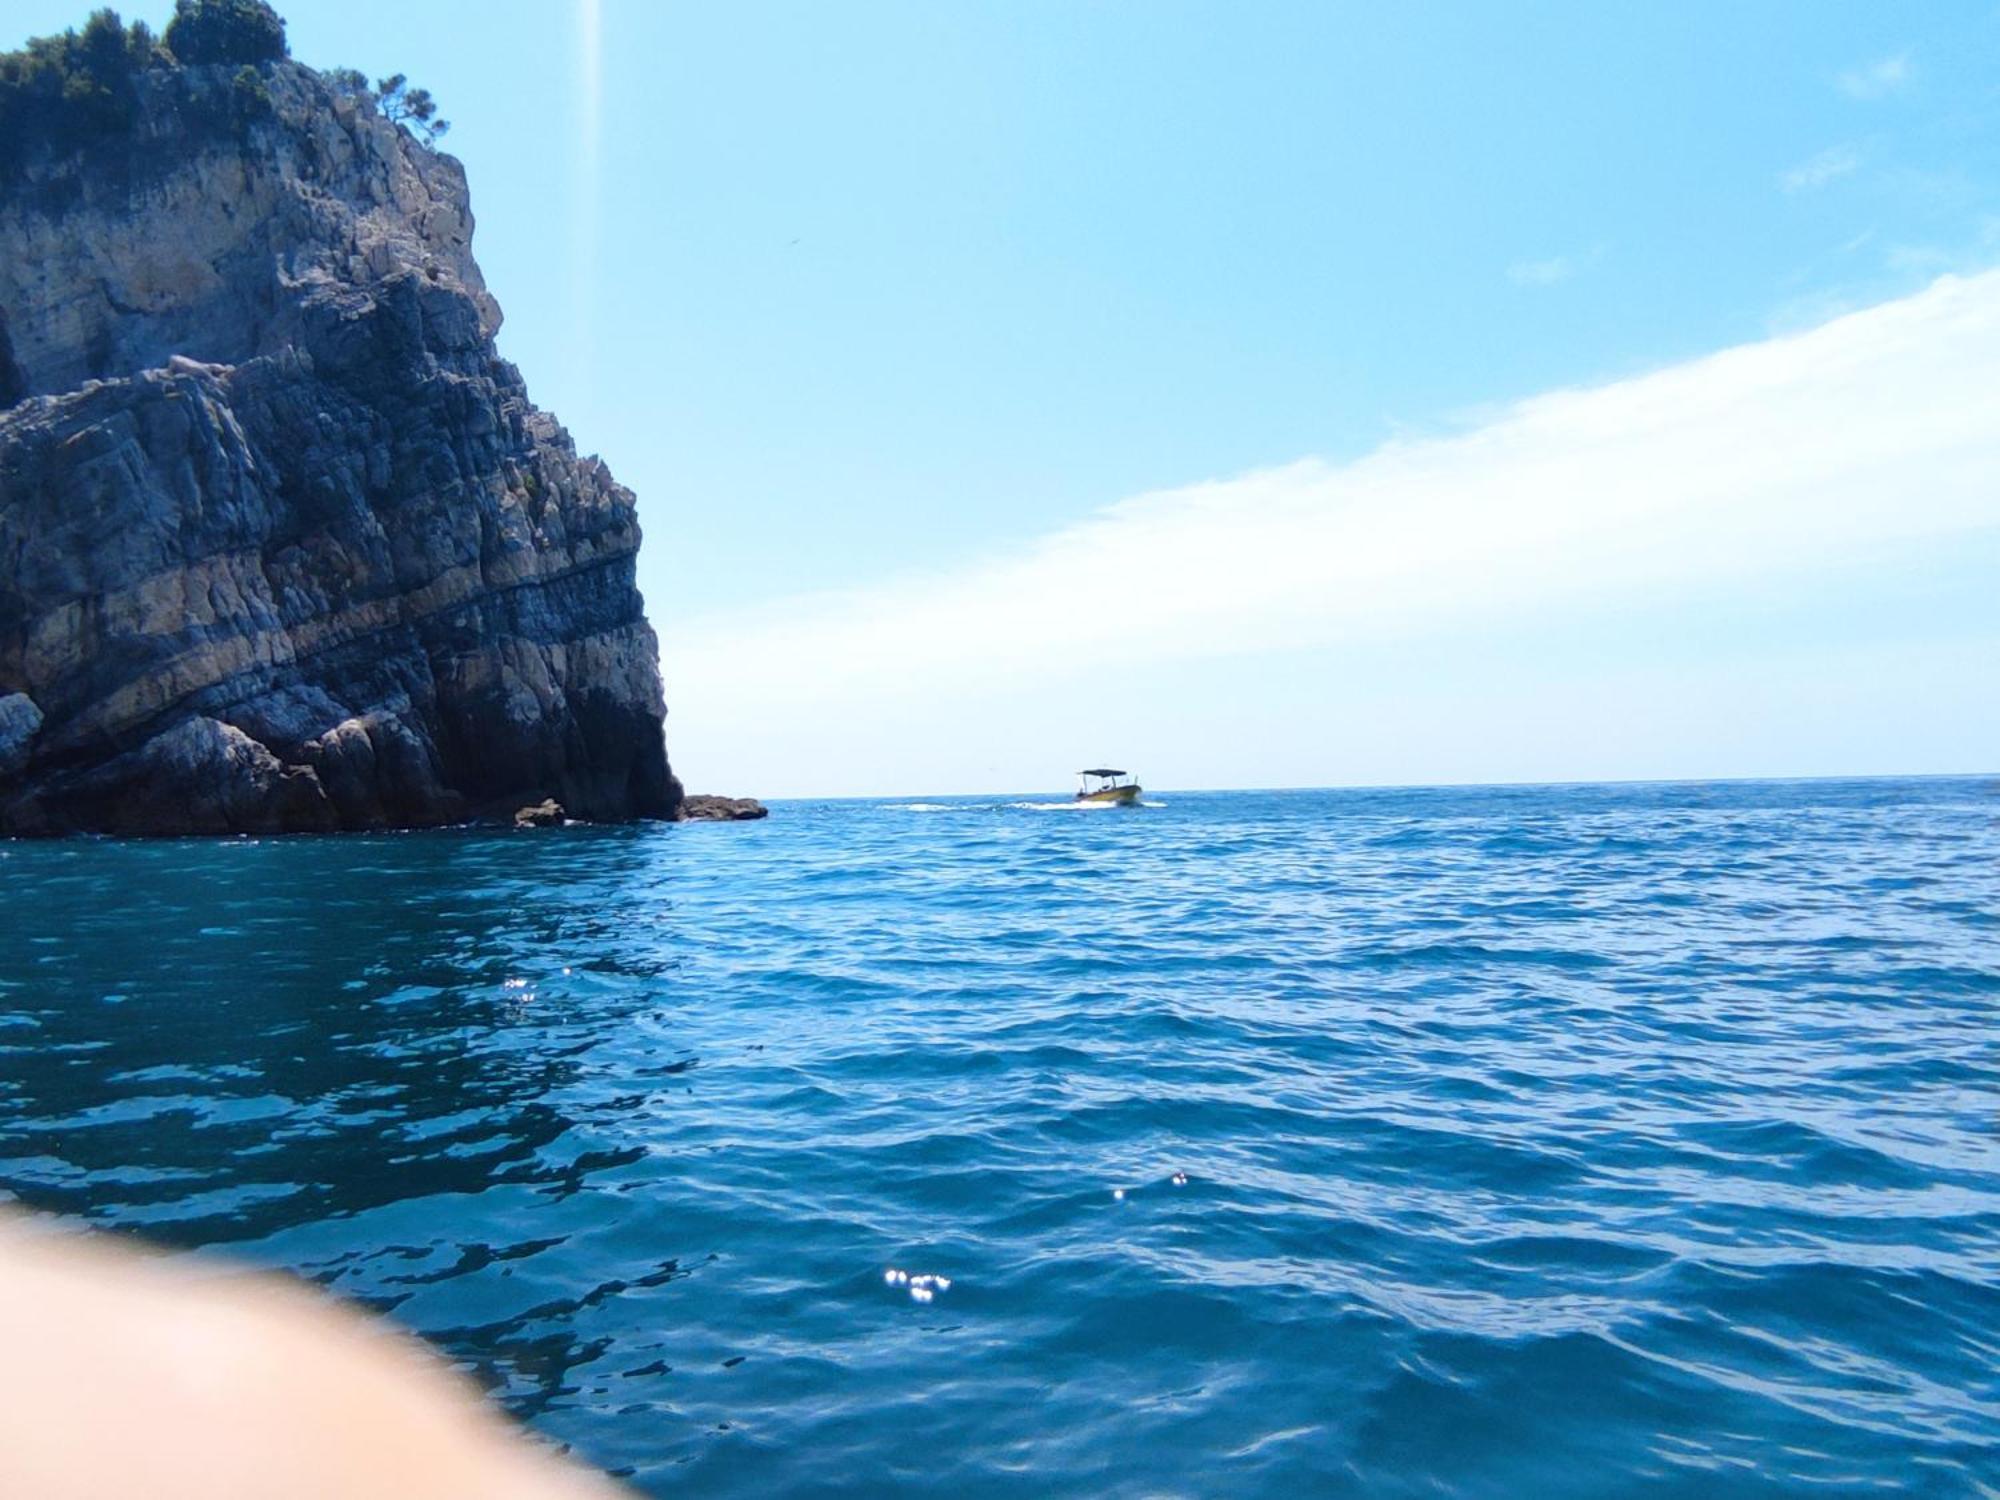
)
(226, 31)
(398, 103)
(70, 89)
(250, 94)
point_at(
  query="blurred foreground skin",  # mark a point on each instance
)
(124, 1375)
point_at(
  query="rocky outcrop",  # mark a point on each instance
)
(283, 542)
(546, 814)
(702, 808)
(20, 722)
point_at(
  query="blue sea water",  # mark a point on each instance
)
(1635, 1140)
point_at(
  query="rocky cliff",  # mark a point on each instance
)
(283, 542)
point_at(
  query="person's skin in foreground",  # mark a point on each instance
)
(124, 1374)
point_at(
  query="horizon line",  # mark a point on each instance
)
(1444, 786)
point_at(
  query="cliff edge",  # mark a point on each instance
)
(283, 542)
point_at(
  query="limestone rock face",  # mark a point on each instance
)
(283, 542)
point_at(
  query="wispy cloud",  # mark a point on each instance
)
(1772, 461)
(1972, 252)
(1817, 171)
(1921, 260)
(1878, 79)
(1555, 269)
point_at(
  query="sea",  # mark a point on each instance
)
(1634, 1140)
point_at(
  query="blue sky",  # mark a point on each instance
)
(876, 306)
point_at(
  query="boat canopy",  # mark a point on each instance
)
(1101, 771)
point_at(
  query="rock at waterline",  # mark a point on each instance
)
(703, 808)
(545, 814)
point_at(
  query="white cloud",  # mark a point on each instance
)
(1773, 461)
(1878, 79)
(1817, 171)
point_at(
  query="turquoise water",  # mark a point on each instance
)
(1540, 1141)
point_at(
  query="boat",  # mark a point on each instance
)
(1102, 784)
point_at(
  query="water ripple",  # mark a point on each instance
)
(1491, 1142)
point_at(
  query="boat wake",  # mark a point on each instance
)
(1068, 805)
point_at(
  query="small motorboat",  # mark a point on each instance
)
(1102, 784)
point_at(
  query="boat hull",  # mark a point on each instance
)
(1124, 796)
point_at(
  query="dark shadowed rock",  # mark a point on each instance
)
(702, 808)
(20, 721)
(286, 545)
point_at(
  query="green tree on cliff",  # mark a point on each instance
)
(226, 31)
(413, 107)
(72, 88)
